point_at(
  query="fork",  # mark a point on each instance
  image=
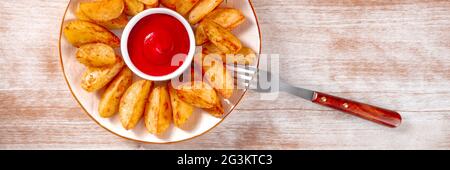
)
(379, 115)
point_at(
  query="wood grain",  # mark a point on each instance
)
(393, 54)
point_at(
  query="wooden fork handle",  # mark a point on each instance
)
(373, 113)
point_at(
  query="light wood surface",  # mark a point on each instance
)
(394, 54)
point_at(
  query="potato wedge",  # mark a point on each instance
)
(202, 9)
(228, 18)
(150, 3)
(217, 110)
(151, 6)
(198, 94)
(96, 55)
(81, 16)
(210, 48)
(190, 100)
(222, 38)
(184, 6)
(103, 10)
(218, 77)
(110, 100)
(82, 32)
(133, 7)
(117, 23)
(132, 103)
(158, 112)
(96, 78)
(200, 36)
(194, 73)
(245, 56)
(171, 4)
(181, 111)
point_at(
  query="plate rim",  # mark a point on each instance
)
(143, 141)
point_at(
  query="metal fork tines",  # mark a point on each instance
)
(249, 78)
(244, 75)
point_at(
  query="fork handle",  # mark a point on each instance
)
(373, 113)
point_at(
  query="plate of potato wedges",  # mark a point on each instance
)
(156, 111)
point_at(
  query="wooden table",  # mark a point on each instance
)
(394, 54)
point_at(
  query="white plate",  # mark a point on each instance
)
(200, 122)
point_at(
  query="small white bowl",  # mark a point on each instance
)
(124, 44)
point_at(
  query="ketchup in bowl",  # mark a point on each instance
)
(154, 42)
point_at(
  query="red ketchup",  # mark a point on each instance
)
(154, 41)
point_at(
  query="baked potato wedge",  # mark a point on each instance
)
(132, 103)
(218, 77)
(151, 6)
(184, 6)
(228, 18)
(81, 16)
(110, 100)
(171, 4)
(158, 111)
(95, 78)
(210, 48)
(117, 23)
(222, 38)
(150, 3)
(217, 110)
(200, 36)
(133, 7)
(181, 111)
(198, 94)
(103, 10)
(245, 56)
(82, 32)
(203, 8)
(96, 55)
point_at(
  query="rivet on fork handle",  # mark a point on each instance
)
(373, 113)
